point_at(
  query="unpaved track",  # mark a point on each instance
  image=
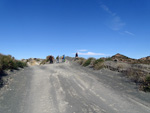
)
(65, 88)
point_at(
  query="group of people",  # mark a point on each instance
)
(51, 58)
(63, 58)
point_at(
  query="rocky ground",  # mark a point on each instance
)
(71, 88)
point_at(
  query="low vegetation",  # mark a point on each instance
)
(80, 60)
(108, 59)
(138, 70)
(140, 77)
(88, 62)
(146, 84)
(9, 62)
(99, 64)
(43, 62)
(92, 62)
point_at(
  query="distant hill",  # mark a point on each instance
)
(123, 58)
(145, 58)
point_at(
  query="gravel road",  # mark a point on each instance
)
(70, 88)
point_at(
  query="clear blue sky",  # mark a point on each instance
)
(94, 28)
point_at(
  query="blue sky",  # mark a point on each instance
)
(94, 28)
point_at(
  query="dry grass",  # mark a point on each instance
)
(135, 75)
(43, 62)
(80, 60)
(141, 77)
(98, 64)
(145, 85)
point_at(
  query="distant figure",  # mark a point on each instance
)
(57, 58)
(76, 55)
(51, 59)
(63, 58)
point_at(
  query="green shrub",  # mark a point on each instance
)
(98, 64)
(8, 62)
(100, 60)
(146, 84)
(12, 65)
(38, 60)
(87, 62)
(108, 59)
(147, 79)
(21, 64)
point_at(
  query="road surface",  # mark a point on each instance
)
(70, 88)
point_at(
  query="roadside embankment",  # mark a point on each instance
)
(137, 71)
(8, 64)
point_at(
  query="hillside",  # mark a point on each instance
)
(137, 70)
(123, 58)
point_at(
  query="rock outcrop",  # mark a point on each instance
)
(32, 61)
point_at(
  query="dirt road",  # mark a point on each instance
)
(69, 88)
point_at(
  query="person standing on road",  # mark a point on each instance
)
(63, 58)
(57, 58)
(51, 59)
